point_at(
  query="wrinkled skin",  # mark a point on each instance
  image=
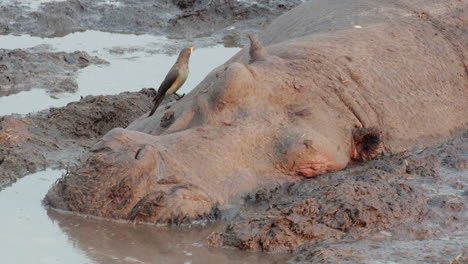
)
(320, 93)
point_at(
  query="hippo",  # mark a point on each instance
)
(324, 84)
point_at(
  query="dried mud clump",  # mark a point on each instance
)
(206, 17)
(93, 116)
(178, 18)
(325, 255)
(327, 211)
(183, 4)
(460, 259)
(59, 136)
(426, 166)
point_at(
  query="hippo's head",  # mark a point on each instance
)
(260, 118)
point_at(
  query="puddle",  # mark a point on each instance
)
(26, 102)
(136, 61)
(32, 234)
(27, 235)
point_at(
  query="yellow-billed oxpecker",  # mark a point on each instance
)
(175, 78)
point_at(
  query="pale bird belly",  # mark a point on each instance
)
(178, 83)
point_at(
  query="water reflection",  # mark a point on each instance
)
(109, 242)
(27, 235)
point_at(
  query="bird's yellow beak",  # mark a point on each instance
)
(191, 49)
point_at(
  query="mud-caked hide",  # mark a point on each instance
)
(333, 80)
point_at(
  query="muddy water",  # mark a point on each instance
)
(31, 234)
(136, 61)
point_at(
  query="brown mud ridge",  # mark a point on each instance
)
(24, 69)
(392, 209)
(57, 137)
(176, 18)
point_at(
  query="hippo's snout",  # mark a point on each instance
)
(127, 179)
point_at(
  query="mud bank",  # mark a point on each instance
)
(393, 209)
(177, 18)
(24, 69)
(58, 136)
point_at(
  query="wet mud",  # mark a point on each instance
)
(39, 68)
(393, 209)
(176, 18)
(57, 137)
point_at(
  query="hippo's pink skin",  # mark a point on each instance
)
(303, 105)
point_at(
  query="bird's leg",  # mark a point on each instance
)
(179, 96)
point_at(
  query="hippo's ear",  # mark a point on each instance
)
(366, 143)
(257, 51)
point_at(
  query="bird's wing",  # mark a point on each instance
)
(171, 77)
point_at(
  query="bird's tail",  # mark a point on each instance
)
(157, 101)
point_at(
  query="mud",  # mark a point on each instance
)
(57, 137)
(38, 67)
(177, 18)
(387, 210)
